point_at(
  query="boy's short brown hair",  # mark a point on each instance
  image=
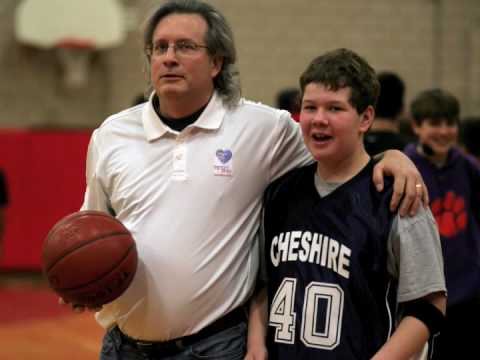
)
(343, 68)
(435, 104)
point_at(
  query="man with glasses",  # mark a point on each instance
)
(185, 172)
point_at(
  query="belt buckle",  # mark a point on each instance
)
(166, 347)
(144, 345)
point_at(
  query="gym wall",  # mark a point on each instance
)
(428, 42)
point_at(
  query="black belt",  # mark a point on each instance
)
(231, 319)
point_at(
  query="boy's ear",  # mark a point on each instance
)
(366, 119)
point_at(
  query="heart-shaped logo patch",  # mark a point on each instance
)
(223, 155)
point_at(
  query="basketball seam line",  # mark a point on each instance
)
(104, 275)
(82, 214)
(86, 243)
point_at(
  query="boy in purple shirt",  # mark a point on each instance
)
(453, 180)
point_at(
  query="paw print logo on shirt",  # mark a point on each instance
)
(449, 212)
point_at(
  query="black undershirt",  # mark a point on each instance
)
(177, 124)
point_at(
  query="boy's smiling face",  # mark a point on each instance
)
(332, 128)
(440, 135)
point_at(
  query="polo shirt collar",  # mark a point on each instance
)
(210, 119)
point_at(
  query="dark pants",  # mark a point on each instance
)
(458, 340)
(229, 344)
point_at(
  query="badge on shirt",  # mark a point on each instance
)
(179, 163)
(223, 163)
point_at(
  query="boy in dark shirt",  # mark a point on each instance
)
(341, 267)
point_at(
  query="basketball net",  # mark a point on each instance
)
(74, 57)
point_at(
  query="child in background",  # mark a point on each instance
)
(3, 204)
(453, 182)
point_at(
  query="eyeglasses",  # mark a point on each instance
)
(180, 48)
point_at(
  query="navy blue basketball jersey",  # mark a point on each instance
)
(330, 295)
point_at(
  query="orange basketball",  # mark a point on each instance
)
(89, 258)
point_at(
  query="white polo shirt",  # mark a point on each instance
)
(192, 201)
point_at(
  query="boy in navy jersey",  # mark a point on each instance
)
(346, 277)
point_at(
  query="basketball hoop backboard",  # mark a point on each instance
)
(73, 28)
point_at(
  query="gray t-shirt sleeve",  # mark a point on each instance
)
(415, 256)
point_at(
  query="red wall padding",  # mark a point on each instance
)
(45, 173)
